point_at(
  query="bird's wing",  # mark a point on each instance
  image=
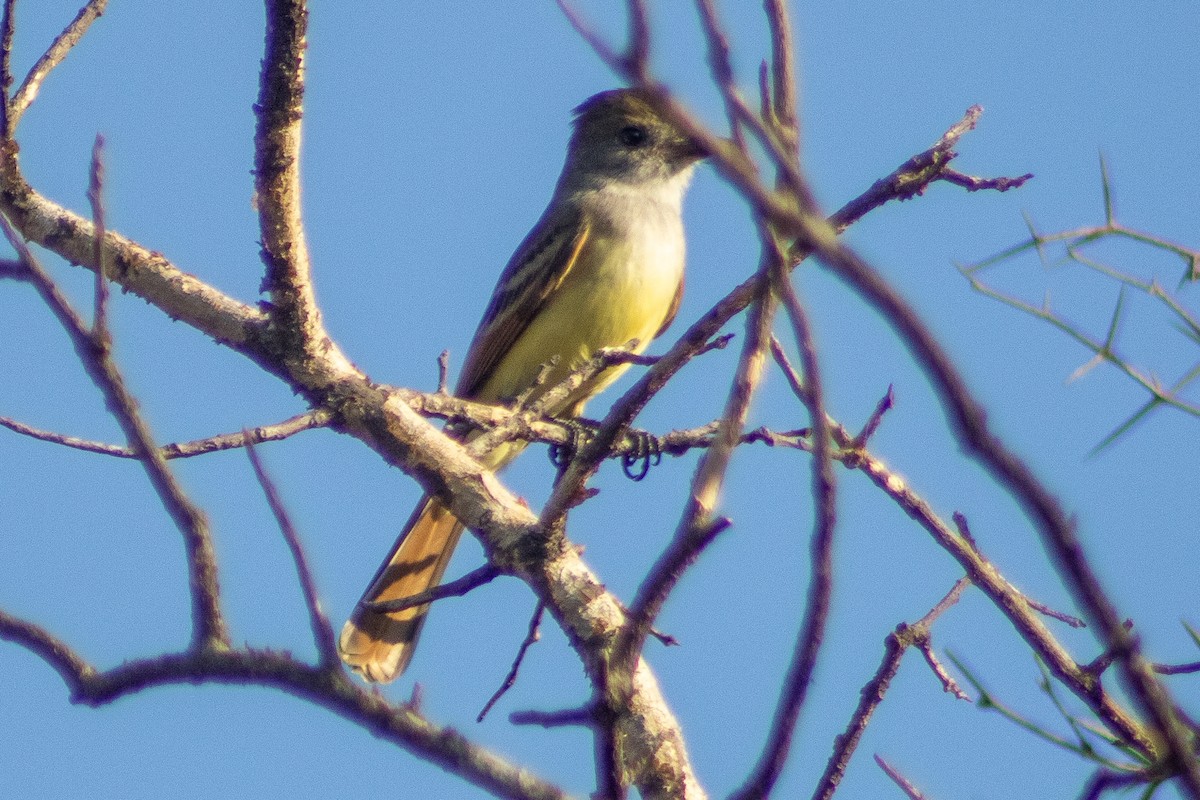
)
(534, 274)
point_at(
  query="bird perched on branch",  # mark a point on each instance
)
(601, 268)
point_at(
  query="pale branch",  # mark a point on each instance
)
(906, 786)
(93, 347)
(331, 689)
(322, 631)
(949, 685)
(280, 113)
(135, 268)
(894, 646)
(54, 55)
(197, 447)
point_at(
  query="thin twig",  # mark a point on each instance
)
(1105, 779)
(8, 26)
(700, 525)
(1061, 616)
(720, 65)
(95, 194)
(1177, 669)
(638, 53)
(456, 588)
(53, 56)
(554, 719)
(209, 629)
(870, 697)
(905, 785)
(533, 635)
(812, 630)
(974, 184)
(882, 407)
(783, 73)
(399, 724)
(595, 41)
(443, 372)
(196, 447)
(321, 629)
(895, 645)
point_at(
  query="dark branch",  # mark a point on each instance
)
(322, 631)
(534, 634)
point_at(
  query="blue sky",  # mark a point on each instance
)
(434, 135)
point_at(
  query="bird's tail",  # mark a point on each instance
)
(379, 644)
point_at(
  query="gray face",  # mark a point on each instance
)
(619, 136)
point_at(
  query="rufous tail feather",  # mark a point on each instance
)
(378, 645)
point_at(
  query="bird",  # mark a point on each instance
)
(602, 268)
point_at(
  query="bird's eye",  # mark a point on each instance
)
(633, 136)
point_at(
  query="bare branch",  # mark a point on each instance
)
(783, 73)
(1177, 669)
(595, 41)
(457, 588)
(322, 631)
(280, 111)
(882, 407)
(554, 719)
(638, 53)
(812, 631)
(974, 184)
(196, 447)
(534, 634)
(894, 646)
(95, 194)
(330, 689)
(13, 270)
(8, 26)
(209, 630)
(53, 56)
(905, 785)
(443, 372)
(700, 525)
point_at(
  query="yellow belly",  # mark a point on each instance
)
(616, 292)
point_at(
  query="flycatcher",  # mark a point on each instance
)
(602, 267)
